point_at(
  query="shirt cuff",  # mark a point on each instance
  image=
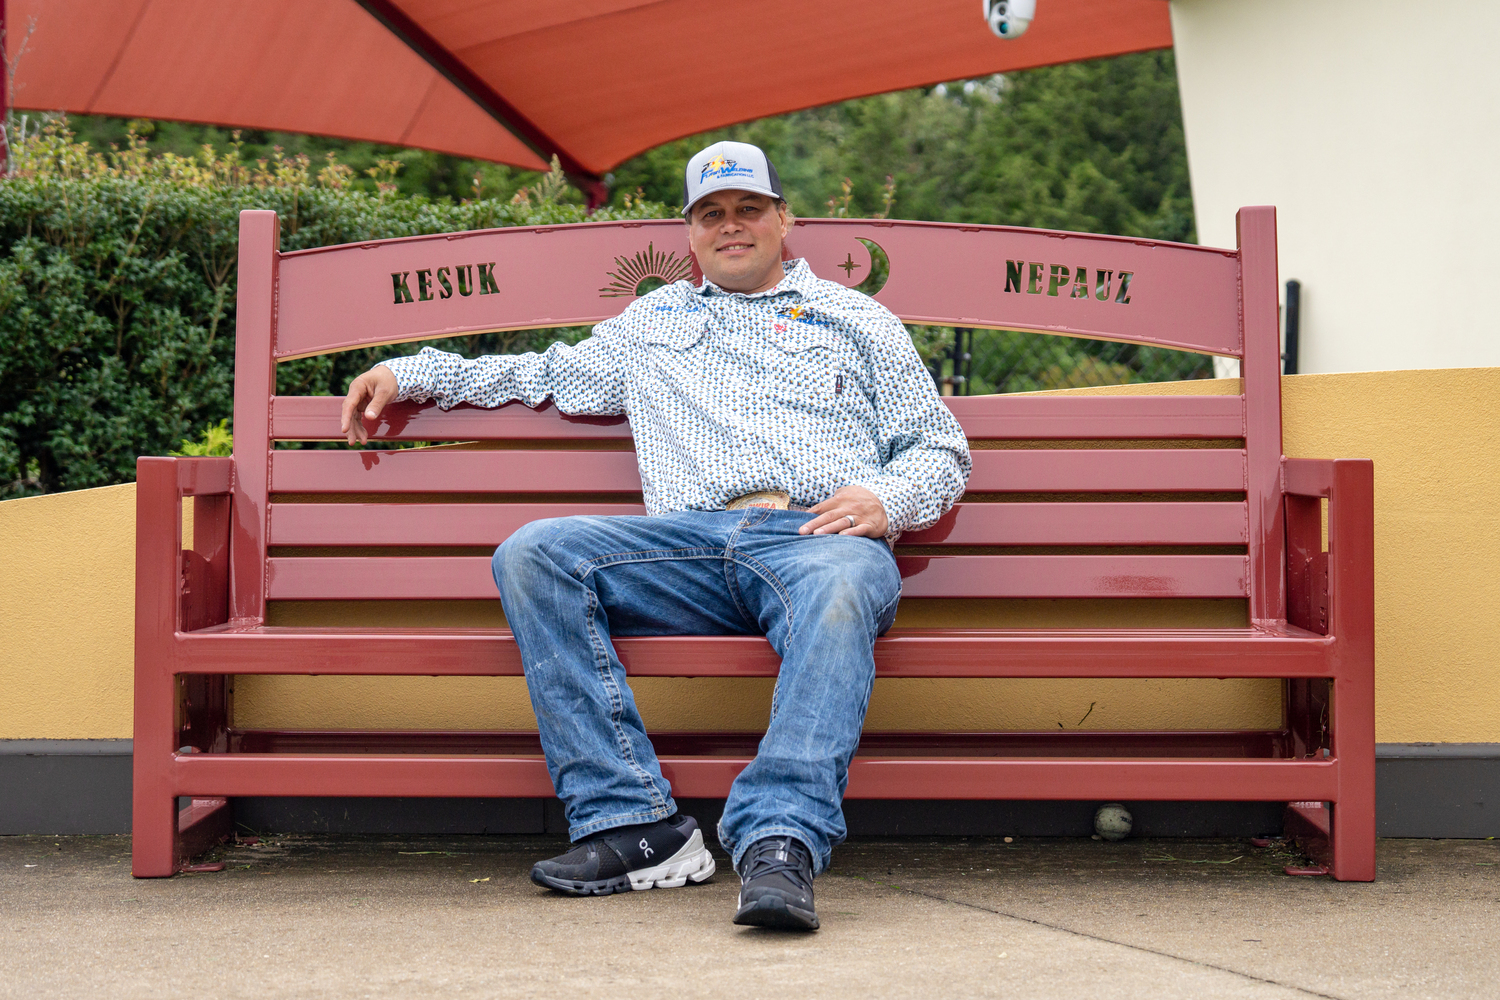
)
(412, 377)
(899, 496)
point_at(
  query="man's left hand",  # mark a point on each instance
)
(851, 501)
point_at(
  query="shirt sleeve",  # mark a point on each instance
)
(582, 378)
(926, 454)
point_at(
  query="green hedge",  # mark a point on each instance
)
(117, 293)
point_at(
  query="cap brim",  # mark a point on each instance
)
(752, 188)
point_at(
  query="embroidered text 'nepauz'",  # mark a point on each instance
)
(1032, 276)
(441, 280)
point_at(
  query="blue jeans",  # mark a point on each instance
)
(568, 584)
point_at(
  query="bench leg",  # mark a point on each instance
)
(1353, 834)
(153, 834)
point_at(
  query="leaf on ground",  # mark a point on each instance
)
(485, 879)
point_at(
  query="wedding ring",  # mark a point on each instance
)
(852, 523)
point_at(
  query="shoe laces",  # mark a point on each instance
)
(781, 856)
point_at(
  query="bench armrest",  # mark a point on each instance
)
(1331, 592)
(179, 589)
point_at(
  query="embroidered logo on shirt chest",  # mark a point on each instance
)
(799, 314)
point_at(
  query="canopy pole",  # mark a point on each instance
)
(416, 38)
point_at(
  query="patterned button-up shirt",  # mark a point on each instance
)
(806, 387)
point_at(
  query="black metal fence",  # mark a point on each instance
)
(967, 362)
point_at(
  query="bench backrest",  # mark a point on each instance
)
(1167, 496)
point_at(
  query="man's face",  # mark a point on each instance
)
(736, 236)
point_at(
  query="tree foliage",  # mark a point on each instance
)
(1091, 147)
(117, 292)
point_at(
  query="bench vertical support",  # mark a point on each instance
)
(254, 385)
(158, 543)
(1307, 607)
(1261, 367)
(1351, 571)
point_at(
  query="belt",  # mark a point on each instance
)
(772, 499)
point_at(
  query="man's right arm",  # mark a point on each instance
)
(580, 378)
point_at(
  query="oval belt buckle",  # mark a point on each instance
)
(772, 499)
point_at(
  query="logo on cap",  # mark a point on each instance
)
(722, 166)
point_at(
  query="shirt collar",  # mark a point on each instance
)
(797, 277)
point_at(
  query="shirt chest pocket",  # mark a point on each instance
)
(805, 366)
(670, 344)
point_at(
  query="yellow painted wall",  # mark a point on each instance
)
(67, 615)
(66, 593)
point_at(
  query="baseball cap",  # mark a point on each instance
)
(728, 166)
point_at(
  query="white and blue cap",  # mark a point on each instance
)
(728, 166)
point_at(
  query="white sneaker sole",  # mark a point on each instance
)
(692, 863)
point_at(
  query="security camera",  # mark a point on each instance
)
(1009, 18)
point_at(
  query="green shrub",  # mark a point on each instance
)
(216, 441)
(117, 292)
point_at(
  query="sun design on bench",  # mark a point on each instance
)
(648, 270)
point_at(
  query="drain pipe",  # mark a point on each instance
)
(1293, 316)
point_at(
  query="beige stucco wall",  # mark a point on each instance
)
(66, 596)
(1374, 127)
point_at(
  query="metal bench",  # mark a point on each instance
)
(1126, 496)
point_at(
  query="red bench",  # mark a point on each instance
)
(1129, 496)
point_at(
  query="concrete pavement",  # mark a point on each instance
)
(309, 916)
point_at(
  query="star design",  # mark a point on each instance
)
(848, 265)
(795, 312)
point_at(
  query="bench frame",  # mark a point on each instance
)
(201, 610)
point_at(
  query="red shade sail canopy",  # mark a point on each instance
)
(517, 81)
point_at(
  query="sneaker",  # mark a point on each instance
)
(776, 890)
(661, 855)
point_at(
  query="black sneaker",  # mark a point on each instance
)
(776, 891)
(662, 855)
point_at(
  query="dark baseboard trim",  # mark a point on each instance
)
(83, 787)
(1437, 789)
(64, 786)
(66, 748)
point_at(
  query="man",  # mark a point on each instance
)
(786, 432)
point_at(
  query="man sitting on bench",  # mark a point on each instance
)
(786, 431)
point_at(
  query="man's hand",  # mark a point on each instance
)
(851, 501)
(378, 387)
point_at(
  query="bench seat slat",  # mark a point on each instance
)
(1257, 651)
(299, 578)
(443, 775)
(1263, 744)
(1086, 524)
(1016, 417)
(965, 524)
(316, 418)
(527, 471)
(1108, 470)
(418, 523)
